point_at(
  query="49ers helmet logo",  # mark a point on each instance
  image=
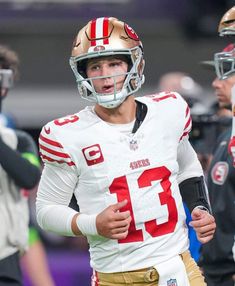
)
(131, 33)
(93, 154)
(219, 173)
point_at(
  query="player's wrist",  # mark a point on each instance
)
(202, 208)
(87, 224)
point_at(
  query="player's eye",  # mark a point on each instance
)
(116, 63)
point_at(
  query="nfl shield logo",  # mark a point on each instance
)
(172, 282)
(133, 144)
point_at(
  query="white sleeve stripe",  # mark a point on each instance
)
(53, 152)
(54, 156)
(188, 124)
(48, 146)
(187, 128)
(50, 159)
(49, 141)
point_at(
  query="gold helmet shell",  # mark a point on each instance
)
(104, 34)
(107, 36)
(227, 23)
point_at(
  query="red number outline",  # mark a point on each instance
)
(119, 186)
(66, 120)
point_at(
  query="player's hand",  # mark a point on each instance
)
(231, 149)
(112, 222)
(204, 224)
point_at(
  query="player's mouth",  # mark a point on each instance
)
(108, 89)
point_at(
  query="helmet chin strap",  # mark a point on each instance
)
(113, 104)
(117, 99)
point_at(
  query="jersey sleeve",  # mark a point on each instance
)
(57, 184)
(187, 122)
(52, 203)
(182, 116)
(189, 165)
(51, 149)
(177, 109)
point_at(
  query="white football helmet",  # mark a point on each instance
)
(225, 62)
(107, 36)
(227, 23)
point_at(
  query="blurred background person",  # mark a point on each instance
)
(218, 256)
(227, 28)
(19, 173)
(34, 262)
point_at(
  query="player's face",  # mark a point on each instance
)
(223, 90)
(107, 67)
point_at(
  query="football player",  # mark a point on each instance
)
(128, 161)
(225, 65)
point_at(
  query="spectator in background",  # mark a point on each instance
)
(19, 173)
(218, 256)
(185, 85)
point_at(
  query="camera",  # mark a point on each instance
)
(6, 78)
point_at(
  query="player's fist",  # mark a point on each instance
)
(112, 222)
(203, 224)
(231, 149)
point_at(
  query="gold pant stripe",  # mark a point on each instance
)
(149, 276)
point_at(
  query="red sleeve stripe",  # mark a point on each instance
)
(187, 111)
(44, 157)
(187, 127)
(59, 154)
(188, 124)
(183, 135)
(50, 142)
(162, 97)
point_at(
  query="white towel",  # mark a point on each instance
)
(172, 272)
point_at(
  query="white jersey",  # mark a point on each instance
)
(108, 166)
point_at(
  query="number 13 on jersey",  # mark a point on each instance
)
(120, 187)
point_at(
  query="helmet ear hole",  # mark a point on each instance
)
(81, 67)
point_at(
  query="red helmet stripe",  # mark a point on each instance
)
(106, 31)
(99, 31)
(93, 32)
